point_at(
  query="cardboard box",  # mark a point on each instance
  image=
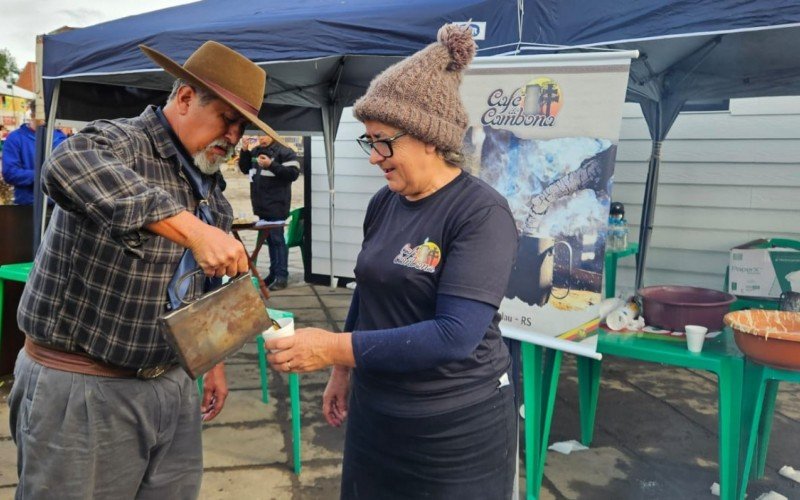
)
(757, 270)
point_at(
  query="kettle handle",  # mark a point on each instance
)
(188, 274)
(569, 275)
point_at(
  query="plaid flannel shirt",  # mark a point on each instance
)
(99, 281)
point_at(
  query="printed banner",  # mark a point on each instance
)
(543, 131)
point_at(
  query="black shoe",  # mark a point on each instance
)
(278, 284)
(269, 279)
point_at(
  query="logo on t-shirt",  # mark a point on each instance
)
(424, 257)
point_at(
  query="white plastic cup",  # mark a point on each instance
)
(286, 330)
(695, 336)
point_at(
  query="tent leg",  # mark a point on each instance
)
(40, 208)
(648, 211)
(329, 134)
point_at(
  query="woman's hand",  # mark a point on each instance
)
(334, 399)
(310, 349)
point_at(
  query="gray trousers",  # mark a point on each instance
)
(86, 437)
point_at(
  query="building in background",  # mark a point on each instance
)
(13, 103)
(27, 77)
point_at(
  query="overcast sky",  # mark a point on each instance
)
(24, 19)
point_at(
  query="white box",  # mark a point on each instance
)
(761, 272)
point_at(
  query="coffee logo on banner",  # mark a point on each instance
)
(536, 104)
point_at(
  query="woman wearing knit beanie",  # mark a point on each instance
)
(421, 373)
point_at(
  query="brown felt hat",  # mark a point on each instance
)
(225, 73)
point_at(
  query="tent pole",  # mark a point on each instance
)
(50, 127)
(648, 210)
(327, 132)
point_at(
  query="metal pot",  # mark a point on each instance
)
(202, 333)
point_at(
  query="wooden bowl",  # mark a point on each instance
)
(769, 337)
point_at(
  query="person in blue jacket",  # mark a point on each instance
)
(19, 154)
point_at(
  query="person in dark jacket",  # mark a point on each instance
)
(272, 168)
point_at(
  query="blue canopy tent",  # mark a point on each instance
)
(320, 55)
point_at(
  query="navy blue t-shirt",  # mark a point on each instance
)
(459, 241)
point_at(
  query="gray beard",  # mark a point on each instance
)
(207, 166)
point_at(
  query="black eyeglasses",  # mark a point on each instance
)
(381, 146)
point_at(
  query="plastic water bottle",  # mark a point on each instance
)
(612, 237)
(617, 238)
(622, 238)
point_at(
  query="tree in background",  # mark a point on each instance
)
(9, 71)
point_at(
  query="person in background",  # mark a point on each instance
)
(272, 168)
(99, 407)
(421, 374)
(6, 190)
(19, 157)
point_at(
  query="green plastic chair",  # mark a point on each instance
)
(294, 388)
(759, 393)
(295, 232)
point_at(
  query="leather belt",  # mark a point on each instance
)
(81, 363)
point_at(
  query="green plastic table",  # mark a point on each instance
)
(720, 356)
(540, 370)
(760, 390)
(612, 256)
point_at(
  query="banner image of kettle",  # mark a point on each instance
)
(543, 131)
(532, 278)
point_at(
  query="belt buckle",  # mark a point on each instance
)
(152, 372)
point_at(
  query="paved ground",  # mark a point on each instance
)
(656, 435)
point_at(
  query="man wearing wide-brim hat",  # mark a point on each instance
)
(99, 406)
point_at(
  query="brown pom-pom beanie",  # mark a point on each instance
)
(420, 96)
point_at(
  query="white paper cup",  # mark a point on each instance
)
(286, 330)
(695, 335)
